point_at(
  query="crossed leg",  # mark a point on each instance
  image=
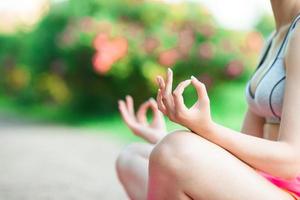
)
(132, 169)
(186, 166)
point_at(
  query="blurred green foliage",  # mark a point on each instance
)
(85, 55)
(265, 25)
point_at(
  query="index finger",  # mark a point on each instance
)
(177, 94)
(169, 81)
(200, 88)
(142, 111)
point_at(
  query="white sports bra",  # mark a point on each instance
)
(267, 99)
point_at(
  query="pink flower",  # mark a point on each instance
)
(150, 44)
(186, 41)
(108, 52)
(234, 68)
(102, 62)
(207, 30)
(86, 24)
(169, 57)
(227, 45)
(254, 41)
(120, 47)
(206, 50)
(100, 40)
(206, 79)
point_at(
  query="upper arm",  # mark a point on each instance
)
(253, 124)
(290, 117)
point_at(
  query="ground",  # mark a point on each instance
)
(57, 163)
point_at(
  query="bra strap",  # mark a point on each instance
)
(265, 50)
(282, 49)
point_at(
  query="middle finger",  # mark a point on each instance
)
(167, 92)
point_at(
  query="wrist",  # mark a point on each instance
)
(205, 129)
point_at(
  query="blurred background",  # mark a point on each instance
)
(65, 63)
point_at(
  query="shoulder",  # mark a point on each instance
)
(292, 58)
(295, 37)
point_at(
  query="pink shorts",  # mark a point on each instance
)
(291, 186)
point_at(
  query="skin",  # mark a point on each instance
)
(195, 163)
(132, 162)
(137, 122)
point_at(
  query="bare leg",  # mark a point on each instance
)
(186, 166)
(132, 169)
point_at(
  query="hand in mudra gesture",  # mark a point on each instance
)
(137, 122)
(171, 103)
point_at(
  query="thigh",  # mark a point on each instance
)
(212, 173)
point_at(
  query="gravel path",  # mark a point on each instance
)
(57, 163)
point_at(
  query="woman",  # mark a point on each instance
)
(213, 162)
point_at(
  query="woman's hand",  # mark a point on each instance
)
(197, 118)
(138, 123)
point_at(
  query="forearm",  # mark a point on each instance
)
(275, 157)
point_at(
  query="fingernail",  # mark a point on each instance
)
(169, 69)
(193, 77)
(159, 82)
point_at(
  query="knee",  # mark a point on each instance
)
(176, 150)
(125, 156)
